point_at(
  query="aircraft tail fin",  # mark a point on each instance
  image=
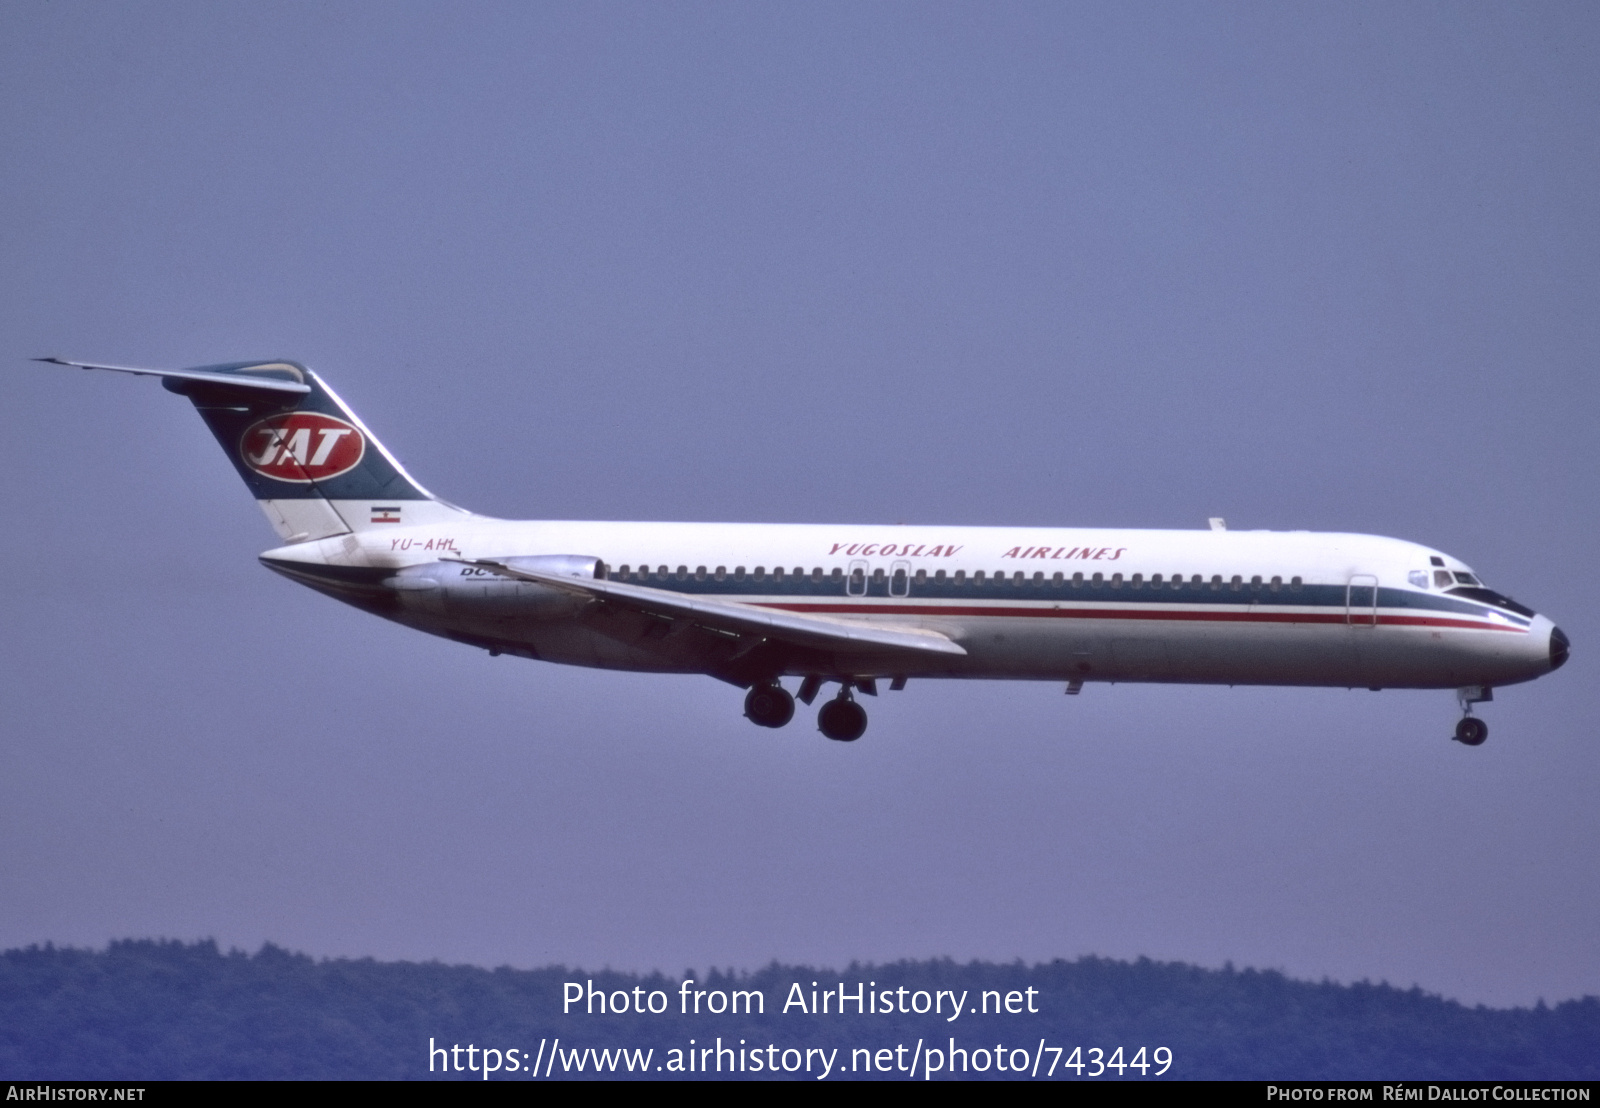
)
(312, 464)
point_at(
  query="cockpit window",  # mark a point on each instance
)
(1467, 579)
(1489, 596)
(1442, 579)
(1418, 578)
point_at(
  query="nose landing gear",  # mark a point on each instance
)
(1471, 731)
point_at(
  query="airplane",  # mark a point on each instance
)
(853, 605)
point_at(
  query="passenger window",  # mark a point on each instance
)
(899, 584)
(837, 573)
(1237, 582)
(1216, 581)
(1038, 579)
(939, 576)
(777, 575)
(1096, 581)
(1136, 581)
(858, 579)
(1277, 583)
(1055, 582)
(683, 573)
(1116, 580)
(816, 573)
(699, 573)
(1155, 580)
(1294, 584)
(1197, 580)
(721, 574)
(961, 576)
(1077, 580)
(738, 573)
(977, 579)
(760, 573)
(622, 570)
(922, 577)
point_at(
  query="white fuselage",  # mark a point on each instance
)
(1073, 604)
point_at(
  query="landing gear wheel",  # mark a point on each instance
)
(1471, 731)
(842, 720)
(768, 706)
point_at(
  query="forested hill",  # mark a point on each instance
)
(152, 1010)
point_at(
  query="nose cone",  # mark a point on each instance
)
(1559, 648)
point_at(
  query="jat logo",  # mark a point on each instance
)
(302, 447)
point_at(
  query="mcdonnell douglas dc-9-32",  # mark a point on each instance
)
(754, 604)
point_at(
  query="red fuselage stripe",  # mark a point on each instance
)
(1355, 620)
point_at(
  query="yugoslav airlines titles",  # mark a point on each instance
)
(754, 605)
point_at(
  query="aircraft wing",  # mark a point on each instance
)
(739, 619)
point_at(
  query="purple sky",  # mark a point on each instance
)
(1303, 266)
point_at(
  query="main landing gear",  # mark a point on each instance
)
(840, 719)
(768, 706)
(1471, 731)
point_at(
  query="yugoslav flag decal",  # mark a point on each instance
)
(302, 447)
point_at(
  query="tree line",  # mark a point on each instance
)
(153, 1010)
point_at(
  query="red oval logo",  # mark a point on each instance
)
(302, 447)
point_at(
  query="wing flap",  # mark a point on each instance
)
(728, 617)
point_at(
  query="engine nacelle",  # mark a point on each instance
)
(458, 589)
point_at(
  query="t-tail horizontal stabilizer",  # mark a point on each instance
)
(265, 385)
